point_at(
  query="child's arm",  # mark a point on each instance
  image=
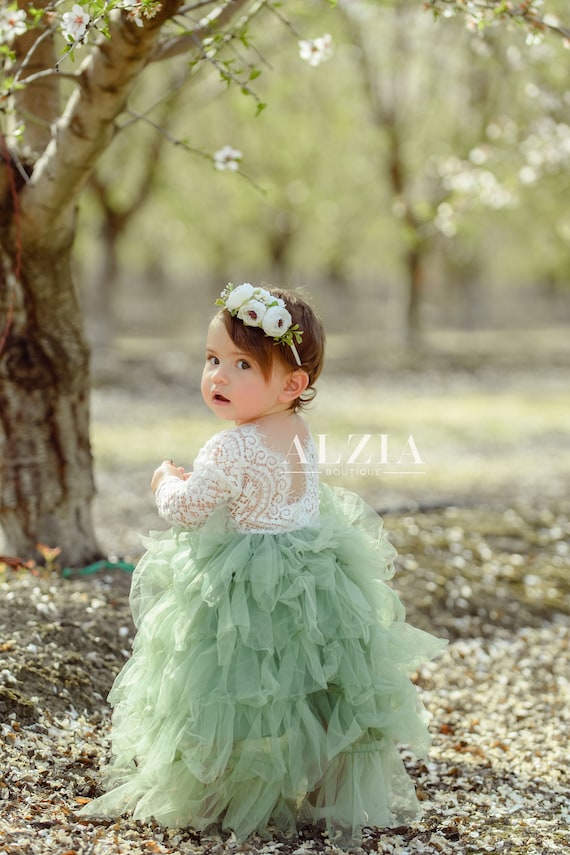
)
(187, 500)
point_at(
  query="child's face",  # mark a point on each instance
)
(233, 386)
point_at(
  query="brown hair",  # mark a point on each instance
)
(264, 349)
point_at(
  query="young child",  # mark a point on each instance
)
(269, 680)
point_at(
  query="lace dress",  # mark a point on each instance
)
(269, 680)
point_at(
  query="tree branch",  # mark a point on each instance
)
(106, 79)
(83, 131)
(521, 12)
(188, 42)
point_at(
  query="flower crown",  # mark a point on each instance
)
(257, 307)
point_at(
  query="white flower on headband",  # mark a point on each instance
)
(258, 307)
(252, 313)
(276, 321)
(238, 296)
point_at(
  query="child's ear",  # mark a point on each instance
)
(294, 386)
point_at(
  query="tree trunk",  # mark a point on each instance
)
(101, 297)
(46, 481)
(46, 471)
(414, 267)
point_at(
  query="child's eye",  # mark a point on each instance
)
(243, 364)
(213, 360)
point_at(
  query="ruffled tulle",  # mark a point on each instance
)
(269, 680)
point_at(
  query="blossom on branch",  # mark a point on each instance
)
(12, 24)
(228, 158)
(480, 14)
(74, 24)
(315, 51)
(135, 10)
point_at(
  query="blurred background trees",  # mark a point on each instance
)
(422, 172)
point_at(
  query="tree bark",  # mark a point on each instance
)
(46, 480)
(46, 466)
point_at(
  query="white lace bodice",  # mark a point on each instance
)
(238, 470)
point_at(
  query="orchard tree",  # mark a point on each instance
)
(401, 86)
(60, 117)
(68, 76)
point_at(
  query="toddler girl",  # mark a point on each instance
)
(269, 680)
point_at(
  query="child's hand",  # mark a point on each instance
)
(165, 469)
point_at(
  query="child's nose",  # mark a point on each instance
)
(220, 374)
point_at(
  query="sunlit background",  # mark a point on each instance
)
(416, 184)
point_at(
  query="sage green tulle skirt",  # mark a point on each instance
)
(269, 680)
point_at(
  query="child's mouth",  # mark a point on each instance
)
(219, 399)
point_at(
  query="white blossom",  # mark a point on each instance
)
(228, 158)
(74, 24)
(134, 9)
(12, 24)
(315, 51)
(478, 155)
(445, 220)
(528, 175)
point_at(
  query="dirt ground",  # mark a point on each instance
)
(490, 573)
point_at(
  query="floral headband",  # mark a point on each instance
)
(257, 307)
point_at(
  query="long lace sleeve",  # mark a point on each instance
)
(236, 469)
(214, 482)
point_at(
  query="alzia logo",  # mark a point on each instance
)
(360, 454)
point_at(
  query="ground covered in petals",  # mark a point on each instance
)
(497, 777)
